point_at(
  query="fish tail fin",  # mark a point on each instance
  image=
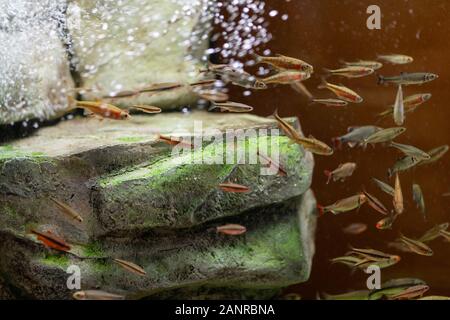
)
(213, 107)
(211, 230)
(321, 210)
(30, 230)
(160, 137)
(329, 175)
(71, 103)
(275, 113)
(383, 115)
(364, 144)
(323, 83)
(381, 79)
(337, 143)
(390, 173)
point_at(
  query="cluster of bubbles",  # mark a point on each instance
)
(101, 35)
(31, 54)
(241, 26)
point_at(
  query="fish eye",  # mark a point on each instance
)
(79, 295)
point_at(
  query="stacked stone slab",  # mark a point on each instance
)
(143, 203)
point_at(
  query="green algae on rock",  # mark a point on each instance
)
(141, 202)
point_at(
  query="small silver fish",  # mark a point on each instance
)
(403, 164)
(231, 107)
(411, 293)
(344, 205)
(330, 102)
(375, 203)
(351, 72)
(419, 199)
(436, 154)
(239, 78)
(384, 135)
(384, 186)
(411, 151)
(434, 232)
(344, 171)
(396, 58)
(96, 295)
(399, 108)
(393, 287)
(407, 79)
(416, 246)
(355, 136)
(375, 65)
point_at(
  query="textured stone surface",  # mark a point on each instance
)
(34, 70)
(112, 46)
(143, 204)
(128, 45)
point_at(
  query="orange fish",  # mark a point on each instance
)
(131, 267)
(376, 204)
(282, 62)
(213, 95)
(51, 241)
(102, 109)
(273, 163)
(174, 141)
(286, 77)
(234, 188)
(147, 109)
(342, 92)
(232, 229)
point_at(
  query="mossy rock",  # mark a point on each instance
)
(144, 203)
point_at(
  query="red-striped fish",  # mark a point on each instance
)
(342, 92)
(234, 188)
(51, 241)
(232, 229)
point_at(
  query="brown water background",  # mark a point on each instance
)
(323, 32)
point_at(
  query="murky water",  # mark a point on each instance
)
(323, 32)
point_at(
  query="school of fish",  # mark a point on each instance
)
(294, 72)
